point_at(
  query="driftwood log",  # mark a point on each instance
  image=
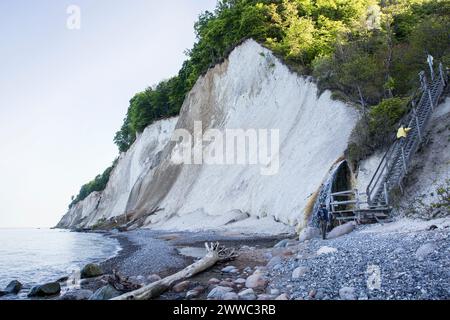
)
(214, 254)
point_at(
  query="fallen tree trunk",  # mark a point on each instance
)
(214, 254)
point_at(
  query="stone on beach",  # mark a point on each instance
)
(274, 262)
(91, 270)
(13, 287)
(230, 269)
(213, 281)
(285, 243)
(63, 279)
(191, 294)
(283, 296)
(226, 283)
(230, 296)
(341, 230)
(265, 296)
(81, 294)
(247, 294)
(326, 250)
(182, 286)
(256, 280)
(195, 292)
(105, 293)
(48, 289)
(240, 281)
(347, 293)
(274, 292)
(153, 278)
(309, 233)
(218, 292)
(299, 272)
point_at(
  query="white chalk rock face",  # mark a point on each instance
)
(140, 159)
(80, 212)
(252, 89)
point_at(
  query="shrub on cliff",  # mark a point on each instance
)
(376, 128)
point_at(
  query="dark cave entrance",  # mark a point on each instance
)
(342, 179)
(342, 182)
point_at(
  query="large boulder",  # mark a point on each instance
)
(45, 290)
(309, 233)
(105, 293)
(91, 270)
(13, 287)
(341, 230)
(77, 295)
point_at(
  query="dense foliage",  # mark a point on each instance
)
(365, 51)
(362, 49)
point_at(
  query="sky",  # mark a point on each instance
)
(64, 92)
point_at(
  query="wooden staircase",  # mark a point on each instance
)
(374, 205)
(351, 205)
(395, 164)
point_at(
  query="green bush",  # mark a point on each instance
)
(296, 30)
(383, 119)
(363, 48)
(376, 129)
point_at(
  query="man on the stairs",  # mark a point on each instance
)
(402, 132)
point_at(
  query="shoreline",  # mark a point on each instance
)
(141, 249)
(410, 256)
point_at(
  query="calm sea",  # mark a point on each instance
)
(36, 256)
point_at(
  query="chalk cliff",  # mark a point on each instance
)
(251, 89)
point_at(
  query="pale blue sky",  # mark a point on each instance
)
(64, 93)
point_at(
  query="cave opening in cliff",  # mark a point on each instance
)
(342, 182)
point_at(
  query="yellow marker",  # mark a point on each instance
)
(402, 132)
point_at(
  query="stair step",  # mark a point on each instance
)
(393, 169)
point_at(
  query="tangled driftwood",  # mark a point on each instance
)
(122, 283)
(214, 254)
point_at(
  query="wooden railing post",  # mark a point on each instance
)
(404, 160)
(332, 203)
(357, 199)
(386, 195)
(417, 121)
(441, 74)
